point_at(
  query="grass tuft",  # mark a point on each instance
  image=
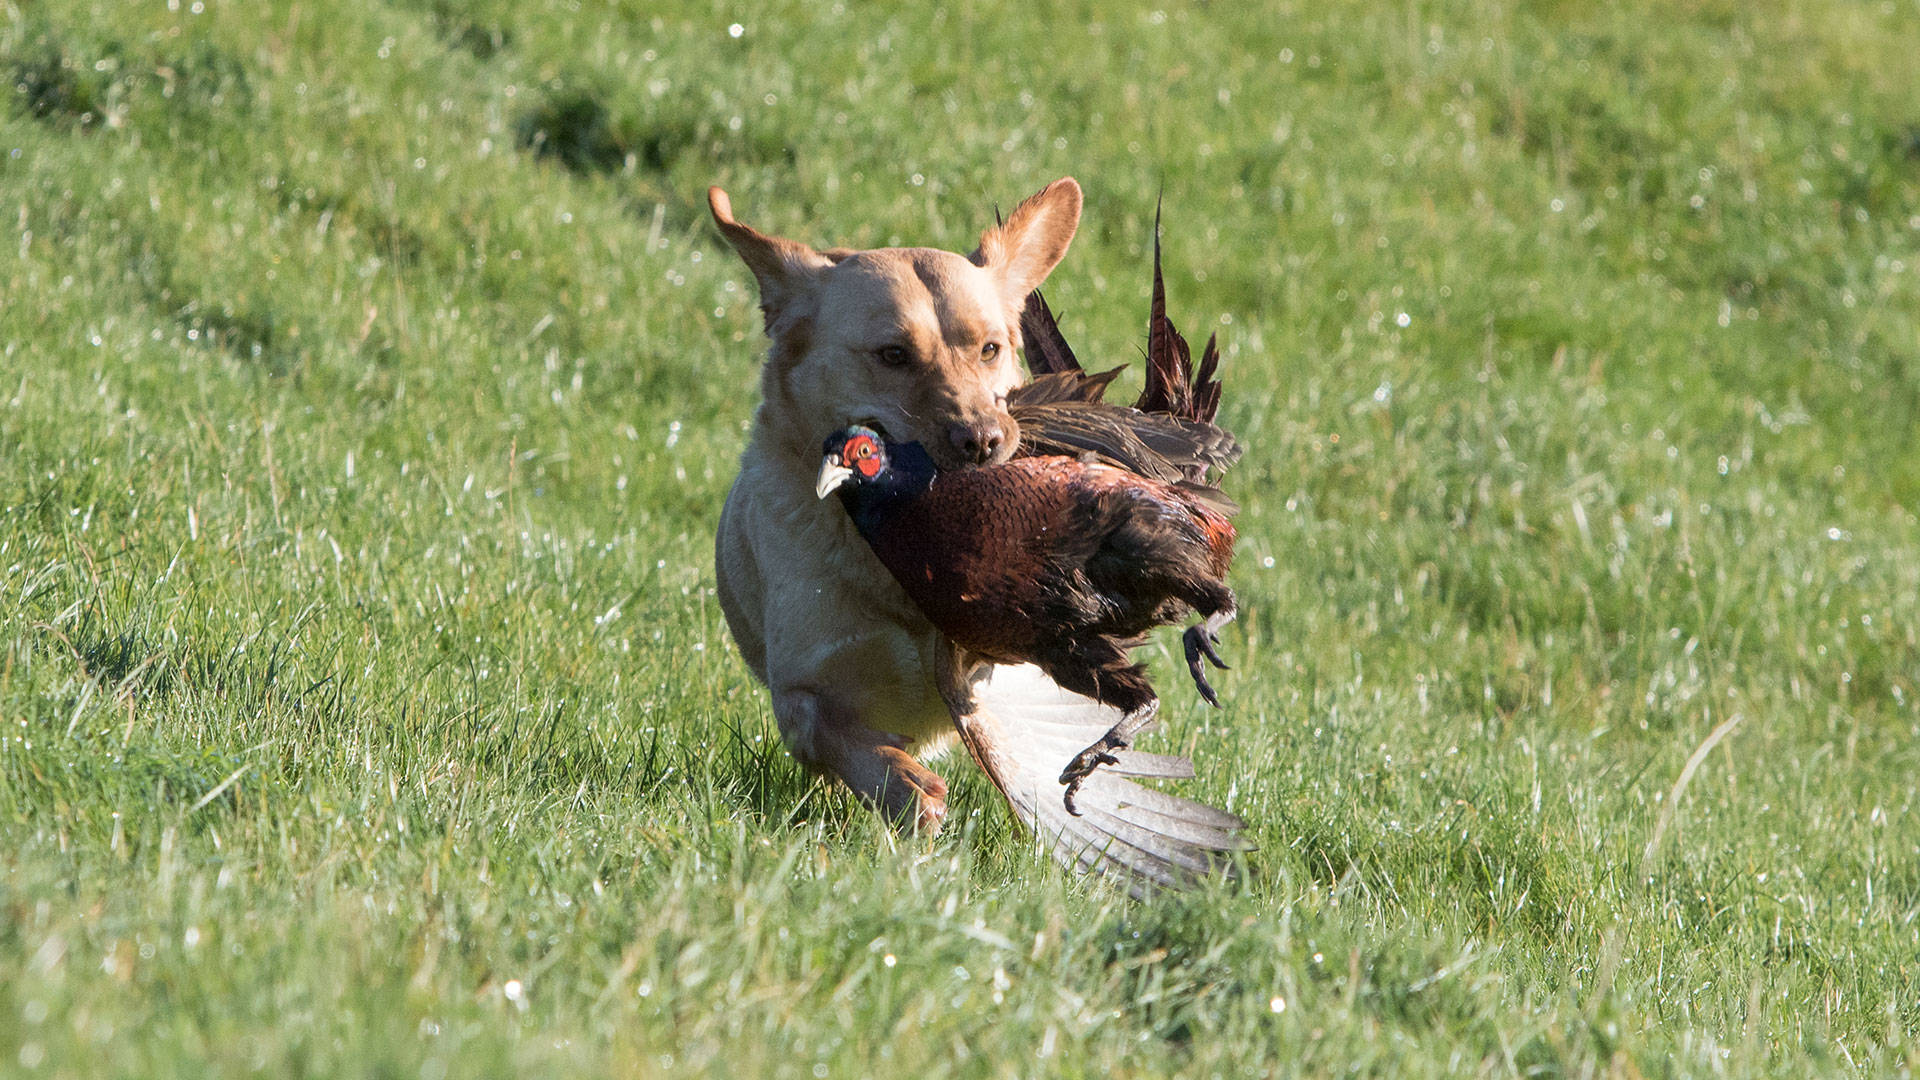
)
(370, 381)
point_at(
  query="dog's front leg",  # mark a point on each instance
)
(824, 733)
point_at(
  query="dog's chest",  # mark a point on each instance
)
(808, 597)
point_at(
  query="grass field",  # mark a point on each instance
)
(370, 379)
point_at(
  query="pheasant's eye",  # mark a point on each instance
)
(990, 351)
(894, 355)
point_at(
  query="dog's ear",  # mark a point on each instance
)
(1031, 242)
(787, 271)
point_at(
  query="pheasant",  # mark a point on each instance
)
(1101, 528)
(1046, 560)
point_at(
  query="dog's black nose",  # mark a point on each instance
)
(976, 442)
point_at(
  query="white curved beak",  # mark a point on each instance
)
(832, 475)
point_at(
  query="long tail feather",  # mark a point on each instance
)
(1206, 388)
(1171, 386)
(1165, 346)
(1047, 349)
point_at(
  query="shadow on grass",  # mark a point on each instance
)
(88, 89)
(129, 663)
(757, 775)
(470, 35)
(576, 129)
(54, 88)
(257, 336)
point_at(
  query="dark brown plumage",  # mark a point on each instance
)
(1046, 560)
(1052, 561)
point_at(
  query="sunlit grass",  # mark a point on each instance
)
(370, 380)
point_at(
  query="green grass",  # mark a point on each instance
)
(370, 380)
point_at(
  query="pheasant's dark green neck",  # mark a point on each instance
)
(908, 473)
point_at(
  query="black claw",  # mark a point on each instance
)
(1206, 650)
(1197, 647)
(1201, 684)
(1067, 798)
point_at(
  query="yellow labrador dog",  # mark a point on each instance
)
(917, 343)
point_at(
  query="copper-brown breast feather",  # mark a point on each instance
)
(964, 555)
(978, 549)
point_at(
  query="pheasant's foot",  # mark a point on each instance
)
(1083, 765)
(1199, 640)
(1198, 646)
(1118, 738)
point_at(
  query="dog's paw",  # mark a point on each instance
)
(932, 817)
(915, 797)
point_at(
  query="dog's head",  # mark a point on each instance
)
(914, 342)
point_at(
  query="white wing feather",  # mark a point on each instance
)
(1023, 729)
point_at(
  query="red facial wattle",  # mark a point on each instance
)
(863, 456)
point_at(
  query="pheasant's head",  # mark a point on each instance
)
(854, 456)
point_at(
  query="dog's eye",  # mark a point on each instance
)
(894, 355)
(990, 351)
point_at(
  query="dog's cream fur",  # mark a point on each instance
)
(920, 343)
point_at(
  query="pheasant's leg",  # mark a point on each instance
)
(1098, 668)
(1200, 639)
(825, 735)
(1118, 738)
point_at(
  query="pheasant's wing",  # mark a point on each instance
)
(1063, 387)
(1154, 445)
(1023, 729)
